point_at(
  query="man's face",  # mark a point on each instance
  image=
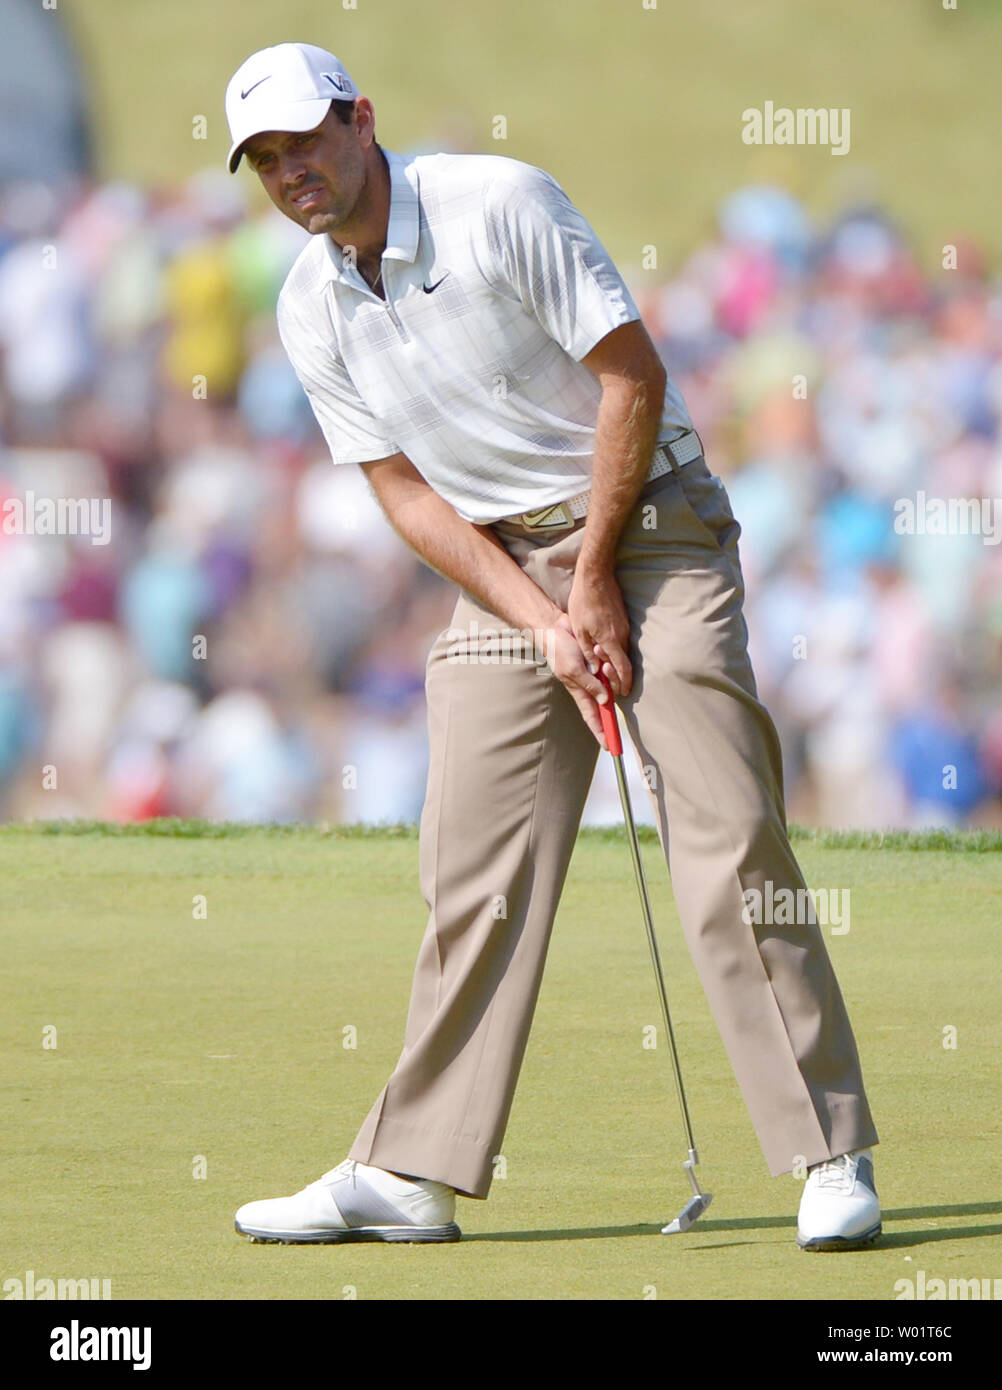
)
(316, 177)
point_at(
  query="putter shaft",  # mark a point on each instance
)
(652, 941)
(610, 726)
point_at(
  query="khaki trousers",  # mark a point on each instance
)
(511, 765)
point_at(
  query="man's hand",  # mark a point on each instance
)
(565, 659)
(600, 623)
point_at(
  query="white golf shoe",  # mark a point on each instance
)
(839, 1209)
(354, 1202)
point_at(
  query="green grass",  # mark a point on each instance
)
(173, 827)
(637, 112)
(222, 1038)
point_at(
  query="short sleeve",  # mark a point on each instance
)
(544, 251)
(352, 433)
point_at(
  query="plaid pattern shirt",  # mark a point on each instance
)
(495, 287)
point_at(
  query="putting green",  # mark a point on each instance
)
(200, 1061)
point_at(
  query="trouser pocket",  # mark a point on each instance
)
(706, 496)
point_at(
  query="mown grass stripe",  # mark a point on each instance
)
(956, 841)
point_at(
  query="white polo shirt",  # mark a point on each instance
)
(496, 287)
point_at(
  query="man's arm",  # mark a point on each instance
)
(633, 380)
(473, 557)
(543, 250)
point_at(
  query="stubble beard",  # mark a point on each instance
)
(336, 216)
(323, 220)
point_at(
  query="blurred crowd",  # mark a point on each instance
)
(248, 640)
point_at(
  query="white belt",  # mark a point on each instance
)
(562, 515)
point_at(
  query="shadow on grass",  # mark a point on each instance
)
(960, 1209)
(888, 1240)
(895, 1239)
(582, 1233)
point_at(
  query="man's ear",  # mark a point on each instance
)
(365, 120)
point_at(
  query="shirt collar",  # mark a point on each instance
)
(404, 221)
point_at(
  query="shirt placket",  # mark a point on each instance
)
(387, 300)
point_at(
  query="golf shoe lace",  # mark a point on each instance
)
(343, 1170)
(835, 1172)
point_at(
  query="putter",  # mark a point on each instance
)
(700, 1200)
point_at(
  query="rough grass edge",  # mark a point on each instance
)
(964, 841)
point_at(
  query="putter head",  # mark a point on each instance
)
(689, 1214)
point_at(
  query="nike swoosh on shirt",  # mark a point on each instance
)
(245, 95)
(429, 288)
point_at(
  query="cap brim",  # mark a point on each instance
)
(288, 116)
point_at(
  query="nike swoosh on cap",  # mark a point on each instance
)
(245, 95)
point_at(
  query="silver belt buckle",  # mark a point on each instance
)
(555, 518)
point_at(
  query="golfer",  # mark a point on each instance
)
(465, 340)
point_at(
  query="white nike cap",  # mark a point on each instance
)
(288, 87)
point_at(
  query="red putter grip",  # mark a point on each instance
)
(610, 724)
